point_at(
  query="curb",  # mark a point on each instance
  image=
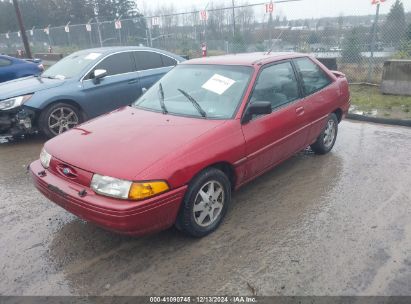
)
(387, 121)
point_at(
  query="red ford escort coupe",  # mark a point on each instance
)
(206, 128)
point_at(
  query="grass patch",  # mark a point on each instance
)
(368, 98)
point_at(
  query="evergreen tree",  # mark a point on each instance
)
(405, 47)
(314, 38)
(105, 9)
(395, 25)
(351, 52)
(126, 8)
(340, 22)
(8, 20)
(78, 11)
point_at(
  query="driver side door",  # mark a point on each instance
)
(119, 88)
(271, 138)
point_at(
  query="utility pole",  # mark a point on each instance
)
(22, 29)
(374, 30)
(233, 19)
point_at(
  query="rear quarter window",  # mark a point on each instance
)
(168, 61)
(313, 78)
(146, 60)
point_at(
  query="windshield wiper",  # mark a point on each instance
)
(161, 91)
(48, 77)
(194, 102)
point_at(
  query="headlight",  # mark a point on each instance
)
(110, 186)
(14, 102)
(124, 189)
(45, 158)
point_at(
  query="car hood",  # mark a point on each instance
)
(27, 85)
(125, 142)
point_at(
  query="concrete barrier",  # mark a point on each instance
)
(396, 77)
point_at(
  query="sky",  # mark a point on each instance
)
(304, 9)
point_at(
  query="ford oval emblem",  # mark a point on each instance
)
(66, 171)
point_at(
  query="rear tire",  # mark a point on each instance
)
(205, 203)
(58, 118)
(325, 142)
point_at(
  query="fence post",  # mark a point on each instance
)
(49, 35)
(99, 32)
(371, 60)
(233, 19)
(270, 25)
(68, 32)
(149, 38)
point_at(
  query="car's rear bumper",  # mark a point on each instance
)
(126, 217)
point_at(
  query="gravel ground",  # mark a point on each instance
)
(338, 224)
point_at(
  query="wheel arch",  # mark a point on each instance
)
(227, 168)
(69, 101)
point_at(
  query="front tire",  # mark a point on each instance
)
(58, 118)
(205, 203)
(325, 142)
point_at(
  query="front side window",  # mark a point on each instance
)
(209, 91)
(312, 76)
(276, 84)
(117, 64)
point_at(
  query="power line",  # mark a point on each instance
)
(220, 8)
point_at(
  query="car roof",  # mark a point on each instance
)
(113, 49)
(246, 58)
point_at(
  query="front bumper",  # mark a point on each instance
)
(17, 121)
(125, 217)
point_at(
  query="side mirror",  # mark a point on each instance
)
(143, 90)
(98, 75)
(256, 108)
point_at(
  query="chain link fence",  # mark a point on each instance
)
(358, 44)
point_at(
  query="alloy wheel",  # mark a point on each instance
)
(62, 119)
(329, 133)
(209, 203)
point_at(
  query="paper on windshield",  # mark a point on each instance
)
(93, 56)
(218, 84)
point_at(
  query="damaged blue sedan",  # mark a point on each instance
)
(79, 87)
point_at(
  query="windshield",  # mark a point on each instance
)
(71, 65)
(210, 91)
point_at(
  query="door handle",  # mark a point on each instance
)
(133, 81)
(299, 111)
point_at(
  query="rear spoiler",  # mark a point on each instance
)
(338, 74)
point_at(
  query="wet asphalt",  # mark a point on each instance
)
(338, 224)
